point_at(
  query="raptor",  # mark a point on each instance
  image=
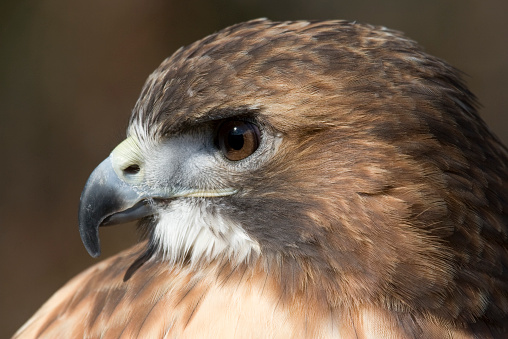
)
(296, 180)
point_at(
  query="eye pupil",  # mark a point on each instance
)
(235, 138)
(238, 139)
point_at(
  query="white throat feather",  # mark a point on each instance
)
(195, 228)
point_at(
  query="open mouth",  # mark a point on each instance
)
(140, 210)
(145, 207)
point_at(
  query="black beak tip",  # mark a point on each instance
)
(91, 241)
(89, 229)
(94, 251)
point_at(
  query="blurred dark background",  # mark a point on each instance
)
(71, 71)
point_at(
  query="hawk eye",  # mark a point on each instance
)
(237, 139)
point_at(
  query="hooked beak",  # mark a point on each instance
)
(116, 192)
(108, 200)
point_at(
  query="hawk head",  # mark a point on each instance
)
(338, 156)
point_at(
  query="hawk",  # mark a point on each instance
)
(296, 180)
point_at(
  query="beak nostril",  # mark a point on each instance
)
(132, 169)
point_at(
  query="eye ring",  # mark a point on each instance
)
(237, 139)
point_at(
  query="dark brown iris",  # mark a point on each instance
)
(238, 139)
